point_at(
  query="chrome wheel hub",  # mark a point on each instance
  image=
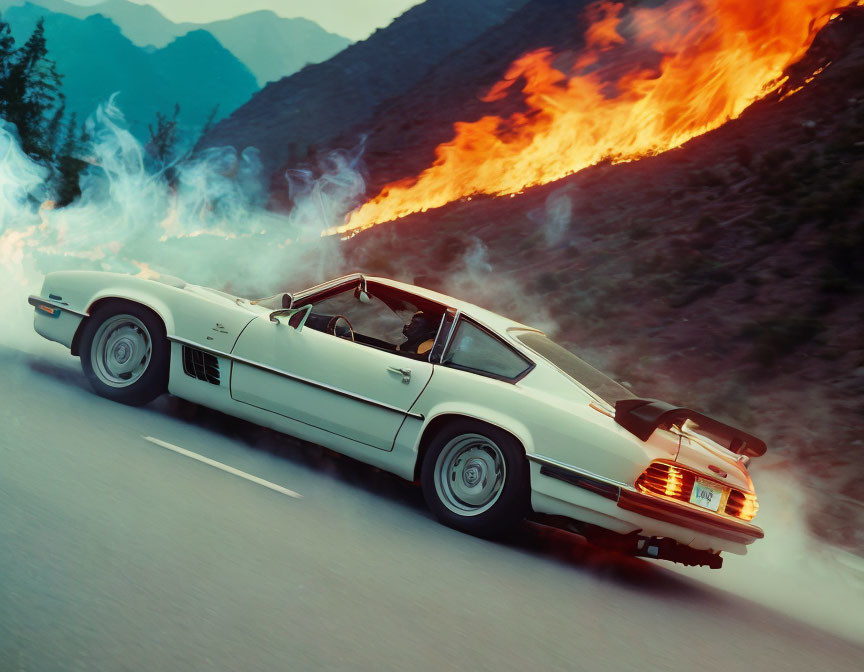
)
(472, 474)
(121, 351)
(469, 474)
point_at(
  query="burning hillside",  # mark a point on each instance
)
(725, 273)
(647, 80)
(292, 117)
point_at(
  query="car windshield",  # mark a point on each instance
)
(581, 371)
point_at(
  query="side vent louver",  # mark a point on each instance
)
(200, 365)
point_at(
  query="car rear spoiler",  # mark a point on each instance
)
(642, 416)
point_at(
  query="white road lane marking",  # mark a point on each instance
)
(223, 467)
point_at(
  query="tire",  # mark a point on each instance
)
(124, 353)
(475, 478)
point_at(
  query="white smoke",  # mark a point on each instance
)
(19, 176)
(557, 216)
(476, 279)
(790, 569)
(336, 191)
(202, 219)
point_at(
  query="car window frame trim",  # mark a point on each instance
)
(489, 332)
(330, 284)
(445, 335)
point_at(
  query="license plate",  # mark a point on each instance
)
(706, 494)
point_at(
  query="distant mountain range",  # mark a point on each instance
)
(271, 46)
(287, 119)
(96, 60)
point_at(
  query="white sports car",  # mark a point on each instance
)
(493, 419)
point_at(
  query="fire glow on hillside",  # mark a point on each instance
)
(648, 80)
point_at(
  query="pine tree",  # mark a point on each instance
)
(69, 165)
(32, 88)
(7, 52)
(164, 137)
(211, 118)
(52, 130)
(84, 136)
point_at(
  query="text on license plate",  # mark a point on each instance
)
(706, 494)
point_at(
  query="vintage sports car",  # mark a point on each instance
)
(493, 419)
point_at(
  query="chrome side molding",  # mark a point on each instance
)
(605, 487)
(36, 301)
(291, 376)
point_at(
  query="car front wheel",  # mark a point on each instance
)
(475, 478)
(124, 353)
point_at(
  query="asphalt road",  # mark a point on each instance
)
(117, 553)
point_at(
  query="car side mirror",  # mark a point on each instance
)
(289, 315)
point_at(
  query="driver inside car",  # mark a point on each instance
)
(420, 332)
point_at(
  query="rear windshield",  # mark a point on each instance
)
(598, 383)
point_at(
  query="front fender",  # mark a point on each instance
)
(147, 299)
(188, 312)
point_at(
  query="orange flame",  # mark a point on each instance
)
(711, 60)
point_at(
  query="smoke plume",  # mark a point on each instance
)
(202, 219)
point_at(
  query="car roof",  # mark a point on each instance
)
(493, 321)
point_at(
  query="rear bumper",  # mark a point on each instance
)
(564, 490)
(685, 516)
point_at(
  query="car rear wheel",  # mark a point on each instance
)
(124, 353)
(475, 478)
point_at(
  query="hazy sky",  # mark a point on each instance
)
(352, 18)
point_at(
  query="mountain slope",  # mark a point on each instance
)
(309, 108)
(725, 274)
(194, 70)
(271, 46)
(404, 130)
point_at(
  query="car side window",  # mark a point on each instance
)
(373, 319)
(473, 349)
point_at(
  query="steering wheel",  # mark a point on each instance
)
(341, 327)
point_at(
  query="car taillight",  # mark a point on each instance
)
(666, 480)
(676, 482)
(742, 505)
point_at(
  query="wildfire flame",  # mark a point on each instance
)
(711, 60)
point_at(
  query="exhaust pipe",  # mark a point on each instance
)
(661, 548)
(657, 548)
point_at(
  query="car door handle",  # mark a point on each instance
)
(405, 373)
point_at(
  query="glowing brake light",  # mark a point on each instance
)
(666, 480)
(743, 505)
(675, 482)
